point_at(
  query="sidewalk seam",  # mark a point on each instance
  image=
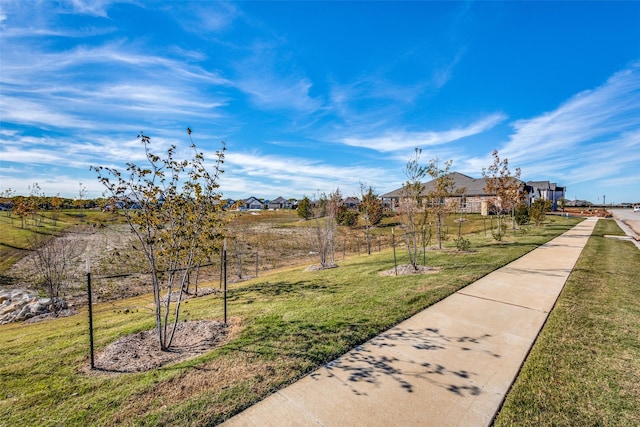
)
(502, 302)
(302, 408)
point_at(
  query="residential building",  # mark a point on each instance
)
(280, 203)
(251, 204)
(471, 195)
(545, 190)
(351, 202)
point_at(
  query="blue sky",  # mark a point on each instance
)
(315, 96)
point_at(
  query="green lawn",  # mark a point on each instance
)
(584, 369)
(293, 321)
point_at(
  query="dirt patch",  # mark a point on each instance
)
(141, 352)
(101, 245)
(588, 212)
(114, 262)
(50, 316)
(408, 269)
(317, 267)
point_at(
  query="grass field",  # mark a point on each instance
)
(584, 369)
(293, 321)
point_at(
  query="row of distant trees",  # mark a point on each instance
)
(28, 208)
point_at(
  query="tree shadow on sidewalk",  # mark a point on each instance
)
(383, 357)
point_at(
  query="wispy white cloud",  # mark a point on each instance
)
(444, 73)
(373, 87)
(70, 152)
(591, 141)
(50, 183)
(119, 60)
(90, 7)
(19, 110)
(607, 160)
(587, 135)
(38, 18)
(42, 89)
(271, 81)
(401, 140)
(369, 101)
(206, 17)
(302, 175)
(273, 92)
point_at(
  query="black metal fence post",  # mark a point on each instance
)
(221, 267)
(393, 243)
(224, 280)
(424, 245)
(93, 365)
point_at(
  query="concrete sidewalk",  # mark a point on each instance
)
(449, 365)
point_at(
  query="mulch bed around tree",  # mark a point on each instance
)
(141, 352)
(406, 269)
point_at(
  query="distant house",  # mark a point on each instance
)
(351, 202)
(224, 203)
(545, 190)
(251, 204)
(472, 196)
(279, 203)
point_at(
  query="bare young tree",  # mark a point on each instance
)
(440, 194)
(52, 259)
(56, 207)
(81, 201)
(237, 238)
(370, 211)
(326, 228)
(505, 188)
(173, 209)
(36, 195)
(412, 206)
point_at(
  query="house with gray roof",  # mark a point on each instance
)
(351, 202)
(545, 190)
(470, 198)
(471, 194)
(251, 204)
(280, 203)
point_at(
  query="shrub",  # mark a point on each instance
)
(522, 213)
(538, 210)
(463, 244)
